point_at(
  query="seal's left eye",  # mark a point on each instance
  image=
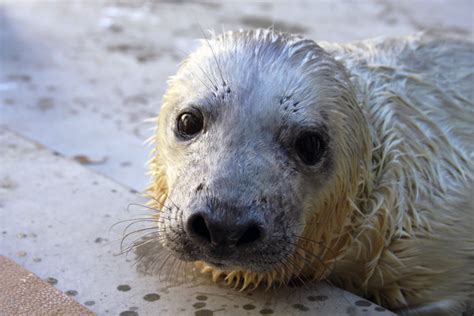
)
(310, 148)
(190, 123)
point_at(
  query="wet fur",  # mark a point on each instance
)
(395, 222)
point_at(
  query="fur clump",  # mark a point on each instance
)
(397, 225)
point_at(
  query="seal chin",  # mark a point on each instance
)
(225, 267)
(222, 264)
(252, 266)
(232, 267)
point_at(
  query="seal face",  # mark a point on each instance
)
(249, 144)
(276, 159)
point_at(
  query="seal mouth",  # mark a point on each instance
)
(256, 261)
(217, 264)
(223, 266)
(229, 267)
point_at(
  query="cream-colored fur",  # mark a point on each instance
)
(416, 235)
(399, 227)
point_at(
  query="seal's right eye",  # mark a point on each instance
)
(189, 124)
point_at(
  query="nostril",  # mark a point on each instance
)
(252, 234)
(202, 229)
(199, 227)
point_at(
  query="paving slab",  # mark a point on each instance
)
(56, 221)
(22, 293)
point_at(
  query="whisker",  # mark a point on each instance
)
(135, 232)
(163, 265)
(143, 206)
(303, 224)
(137, 222)
(134, 244)
(297, 275)
(319, 243)
(309, 264)
(214, 55)
(207, 75)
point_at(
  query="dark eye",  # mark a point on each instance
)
(190, 123)
(310, 148)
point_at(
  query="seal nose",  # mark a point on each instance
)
(203, 229)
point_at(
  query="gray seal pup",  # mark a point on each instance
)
(277, 158)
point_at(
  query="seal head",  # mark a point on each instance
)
(257, 159)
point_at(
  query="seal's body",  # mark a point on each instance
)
(277, 158)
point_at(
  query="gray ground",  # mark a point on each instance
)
(78, 78)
